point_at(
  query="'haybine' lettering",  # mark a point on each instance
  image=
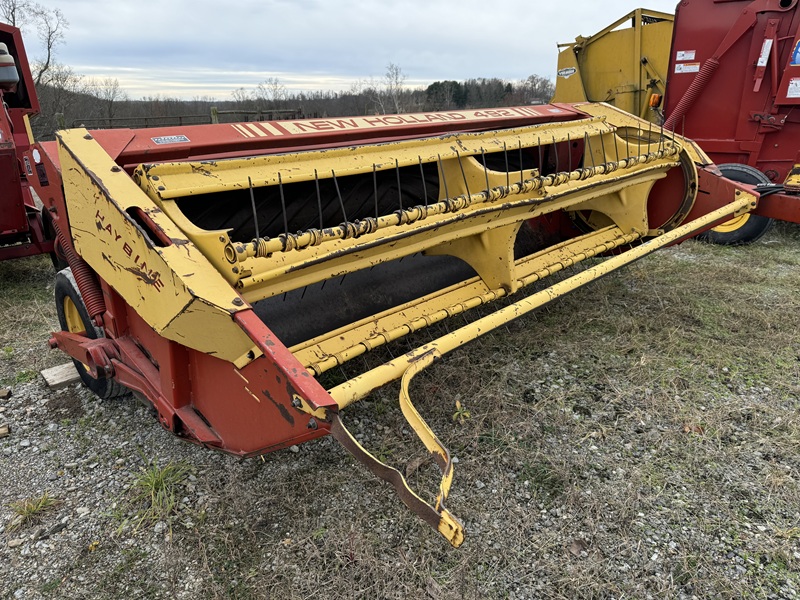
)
(140, 270)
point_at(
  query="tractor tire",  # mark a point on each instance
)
(746, 228)
(73, 317)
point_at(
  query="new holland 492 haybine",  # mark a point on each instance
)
(220, 271)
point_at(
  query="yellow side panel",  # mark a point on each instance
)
(793, 179)
(174, 288)
(622, 67)
(569, 85)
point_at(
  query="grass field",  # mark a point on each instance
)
(639, 439)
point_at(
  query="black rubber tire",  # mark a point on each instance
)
(756, 226)
(65, 287)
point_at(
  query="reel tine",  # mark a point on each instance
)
(283, 205)
(399, 188)
(375, 187)
(463, 174)
(422, 175)
(319, 198)
(339, 194)
(253, 204)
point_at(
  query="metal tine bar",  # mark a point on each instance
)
(508, 174)
(673, 134)
(521, 174)
(463, 174)
(569, 154)
(638, 140)
(627, 147)
(375, 187)
(339, 195)
(541, 156)
(283, 205)
(661, 139)
(485, 171)
(603, 149)
(399, 188)
(422, 174)
(616, 147)
(649, 136)
(253, 203)
(587, 140)
(319, 198)
(555, 152)
(444, 179)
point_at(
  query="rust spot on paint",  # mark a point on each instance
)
(154, 279)
(200, 170)
(281, 408)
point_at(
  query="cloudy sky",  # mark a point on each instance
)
(194, 48)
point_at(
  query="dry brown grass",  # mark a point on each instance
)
(638, 439)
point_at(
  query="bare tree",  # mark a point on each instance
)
(393, 82)
(271, 91)
(537, 89)
(49, 23)
(15, 12)
(50, 26)
(241, 96)
(110, 92)
(64, 91)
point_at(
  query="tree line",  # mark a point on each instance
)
(69, 99)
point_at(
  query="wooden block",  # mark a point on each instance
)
(61, 376)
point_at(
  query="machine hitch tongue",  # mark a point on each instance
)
(437, 516)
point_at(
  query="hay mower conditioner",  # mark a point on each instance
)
(219, 271)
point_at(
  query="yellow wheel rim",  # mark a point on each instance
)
(733, 224)
(73, 319)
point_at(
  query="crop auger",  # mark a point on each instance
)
(219, 271)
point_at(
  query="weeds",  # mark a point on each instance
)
(31, 510)
(462, 413)
(154, 494)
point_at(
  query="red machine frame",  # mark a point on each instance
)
(734, 87)
(24, 231)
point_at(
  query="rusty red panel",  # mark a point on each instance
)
(735, 116)
(780, 206)
(133, 147)
(210, 401)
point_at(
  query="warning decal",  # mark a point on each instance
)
(763, 59)
(688, 68)
(796, 54)
(794, 88)
(685, 55)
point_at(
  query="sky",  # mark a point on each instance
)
(198, 48)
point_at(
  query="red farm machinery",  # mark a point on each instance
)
(725, 73)
(222, 272)
(24, 229)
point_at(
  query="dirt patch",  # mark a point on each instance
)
(67, 405)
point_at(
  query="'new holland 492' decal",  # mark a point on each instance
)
(278, 128)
